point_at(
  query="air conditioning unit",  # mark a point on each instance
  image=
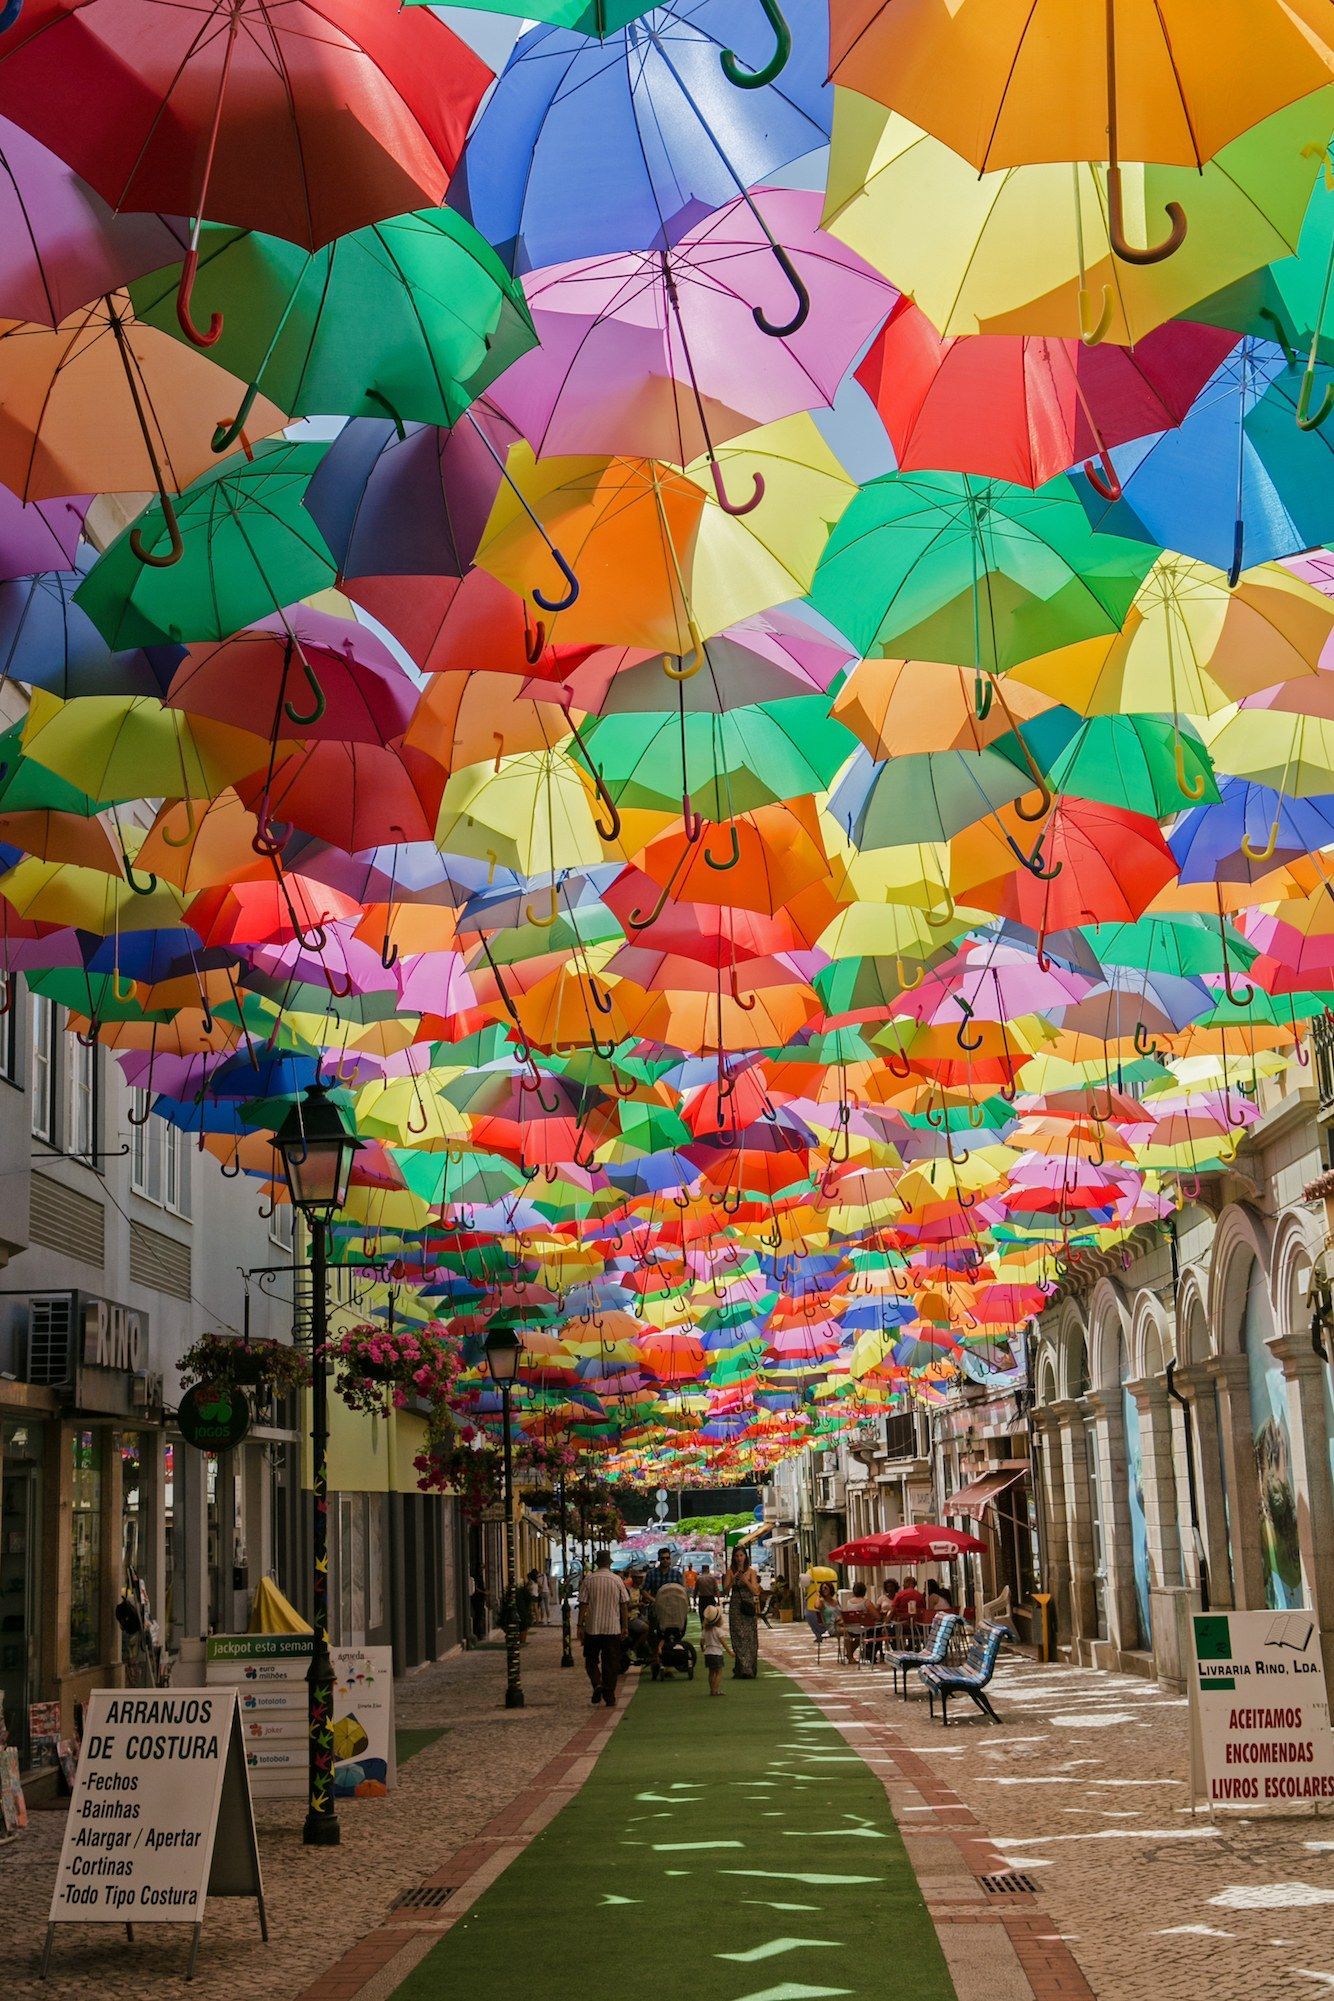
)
(53, 1323)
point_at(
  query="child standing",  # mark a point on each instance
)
(711, 1624)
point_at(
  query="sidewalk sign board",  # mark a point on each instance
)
(1260, 1728)
(268, 1672)
(363, 1713)
(161, 1816)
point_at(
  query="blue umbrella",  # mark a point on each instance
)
(47, 641)
(587, 146)
(1239, 482)
(1208, 840)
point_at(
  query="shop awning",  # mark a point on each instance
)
(977, 1497)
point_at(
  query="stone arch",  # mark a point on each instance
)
(1109, 1324)
(1192, 1318)
(1296, 1248)
(1069, 1349)
(1152, 1342)
(1243, 1239)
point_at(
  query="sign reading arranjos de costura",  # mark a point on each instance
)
(1262, 1731)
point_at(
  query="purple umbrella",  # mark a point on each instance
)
(657, 353)
(410, 500)
(61, 246)
(39, 534)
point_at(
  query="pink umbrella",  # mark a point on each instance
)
(658, 353)
(302, 674)
(38, 535)
(61, 246)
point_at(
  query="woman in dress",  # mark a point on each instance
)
(743, 1617)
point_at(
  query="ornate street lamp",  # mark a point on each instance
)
(317, 1147)
(503, 1350)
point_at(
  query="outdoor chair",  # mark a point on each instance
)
(936, 1650)
(970, 1679)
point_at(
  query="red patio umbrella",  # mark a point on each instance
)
(915, 1542)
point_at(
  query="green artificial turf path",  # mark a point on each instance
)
(735, 1848)
(407, 1743)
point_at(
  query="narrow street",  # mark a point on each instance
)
(796, 1838)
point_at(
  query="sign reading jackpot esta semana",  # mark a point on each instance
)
(1261, 1732)
(161, 1816)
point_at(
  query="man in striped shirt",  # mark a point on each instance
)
(604, 1612)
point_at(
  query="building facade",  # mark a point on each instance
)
(106, 1277)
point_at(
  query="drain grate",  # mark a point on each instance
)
(1011, 1884)
(422, 1897)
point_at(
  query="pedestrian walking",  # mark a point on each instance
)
(604, 1614)
(477, 1606)
(544, 1595)
(690, 1580)
(743, 1617)
(664, 1571)
(713, 1648)
(533, 1582)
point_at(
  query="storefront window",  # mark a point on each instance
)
(20, 1575)
(85, 1611)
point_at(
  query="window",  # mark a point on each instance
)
(42, 1066)
(81, 1100)
(281, 1230)
(175, 1167)
(9, 1038)
(146, 1151)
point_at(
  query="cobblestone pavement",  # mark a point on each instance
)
(1084, 1789)
(321, 1901)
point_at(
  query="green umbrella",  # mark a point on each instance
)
(945, 566)
(929, 796)
(412, 317)
(1184, 945)
(1146, 764)
(1287, 300)
(733, 763)
(248, 547)
(587, 17)
(26, 786)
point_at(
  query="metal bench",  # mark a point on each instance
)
(938, 1640)
(969, 1678)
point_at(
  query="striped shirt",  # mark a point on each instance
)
(602, 1601)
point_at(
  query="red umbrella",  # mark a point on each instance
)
(450, 624)
(1022, 407)
(306, 120)
(311, 674)
(915, 1542)
(353, 795)
(1098, 864)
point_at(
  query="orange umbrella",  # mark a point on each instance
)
(901, 706)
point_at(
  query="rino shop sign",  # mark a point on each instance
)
(114, 1337)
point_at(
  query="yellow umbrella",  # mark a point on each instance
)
(1028, 250)
(1191, 646)
(127, 746)
(660, 562)
(62, 893)
(531, 813)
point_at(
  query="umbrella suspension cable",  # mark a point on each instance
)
(190, 264)
(571, 580)
(1091, 332)
(166, 500)
(781, 257)
(1129, 253)
(738, 507)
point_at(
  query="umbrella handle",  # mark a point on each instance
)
(1280, 333)
(1134, 253)
(1187, 787)
(227, 435)
(984, 694)
(86, 1040)
(1093, 332)
(312, 682)
(755, 79)
(230, 1173)
(1266, 853)
(184, 298)
(140, 1118)
(1033, 863)
(1305, 421)
(1238, 546)
(695, 657)
(534, 639)
(733, 858)
(175, 546)
(189, 834)
(1321, 153)
(602, 1001)
(905, 983)
(1110, 487)
(559, 604)
(10, 14)
(388, 953)
(531, 916)
(966, 1014)
(803, 298)
(139, 888)
(939, 923)
(736, 508)
(374, 396)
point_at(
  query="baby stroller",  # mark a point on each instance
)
(675, 1655)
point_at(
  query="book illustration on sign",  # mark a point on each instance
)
(1292, 1629)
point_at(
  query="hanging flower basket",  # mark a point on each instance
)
(226, 1362)
(460, 1461)
(377, 1369)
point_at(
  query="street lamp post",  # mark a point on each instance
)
(566, 1651)
(503, 1349)
(317, 1145)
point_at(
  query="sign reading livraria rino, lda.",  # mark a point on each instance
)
(157, 1772)
(1261, 1733)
